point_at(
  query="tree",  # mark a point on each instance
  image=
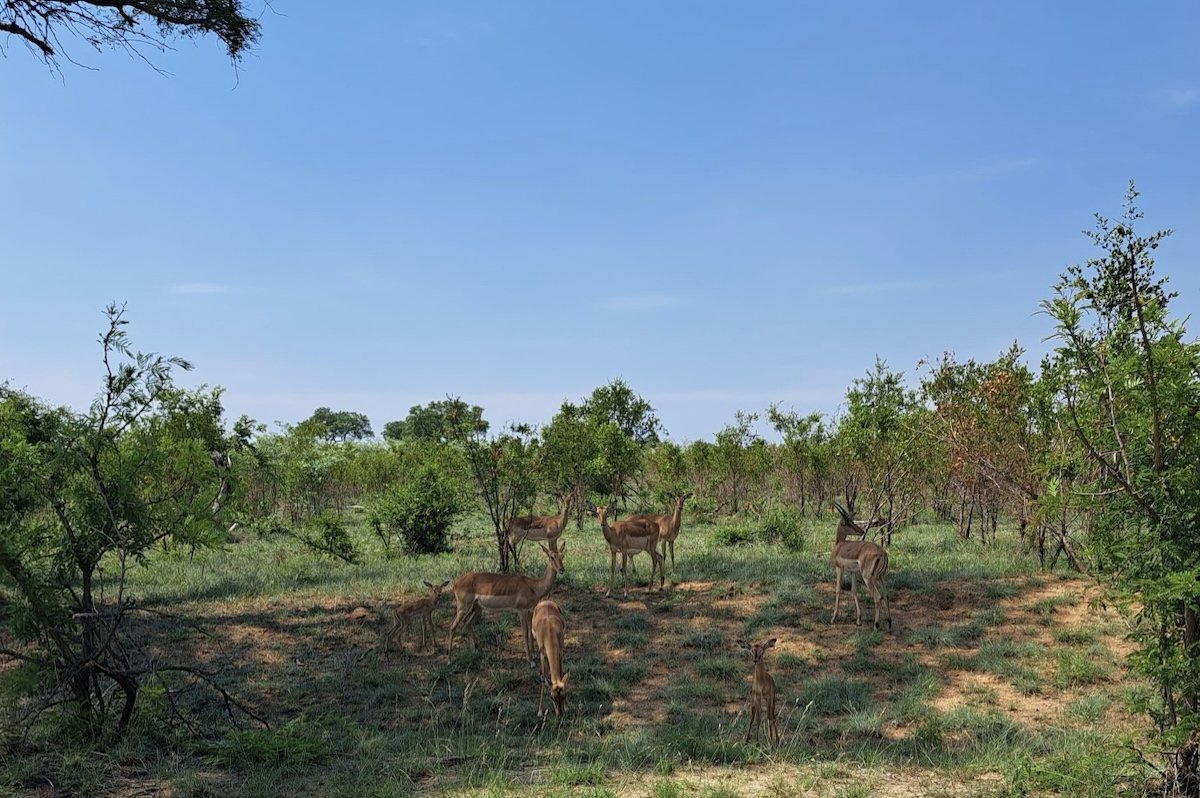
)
(805, 451)
(431, 422)
(1126, 384)
(618, 404)
(878, 434)
(126, 24)
(339, 426)
(85, 496)
(503, 466)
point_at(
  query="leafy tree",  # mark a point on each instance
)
(431, 422)
(338, 426)
(503, 467)
(804, 456)
(1126, 383)
(129, 25)
(879, 436)
(420, 511)
(83, 497)
(741, 459)
(985, 431)
(616, 403)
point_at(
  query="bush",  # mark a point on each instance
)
(420, 512)
(783, 525)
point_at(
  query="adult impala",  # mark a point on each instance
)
(628, 538)
(539, 527)
(762, 693)
(668, 525)
(548, 633)
(859, 557)
(479, 590)
(419, 610)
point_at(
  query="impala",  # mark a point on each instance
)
(420, 610)
(668, 525)
(628, 538)
(859, 557)
(548, 632)
(762, 693)
(477, 590)
(539, 527)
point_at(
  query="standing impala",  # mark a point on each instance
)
(477, 590)
(859, 557)
(762, 693)
(539, 527)
(668, 525)
(628, 538)
(548, 632)
(420, 610)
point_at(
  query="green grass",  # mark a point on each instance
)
(657, 690)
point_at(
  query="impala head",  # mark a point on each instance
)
(757, 649)
(436, 590)
(846, 525)
(558, 694)
(555, 558)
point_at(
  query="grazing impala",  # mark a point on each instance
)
(762, 693)
(548, 632)
(420, 610)
(859, 557)
(628, 538)
(476, 590)
(668, 525)
(539, 527)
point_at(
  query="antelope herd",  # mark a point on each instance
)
(543, 626)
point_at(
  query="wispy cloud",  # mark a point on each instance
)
(197, 289)
(1175, 98)
(640, 301)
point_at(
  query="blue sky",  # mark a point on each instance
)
(727, 205)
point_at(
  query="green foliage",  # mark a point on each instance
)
(149, 465)
(1126, 380)
(339, 426)
(419, 512)
(783, 525)
(432, 422)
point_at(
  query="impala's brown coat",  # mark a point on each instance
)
(549, 631)
(419, 609)
(668, 525)
(539, 527)
(859, 557)
(627, 538)
(762, 693)
(478, 590)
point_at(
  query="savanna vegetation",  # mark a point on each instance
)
(194, 606)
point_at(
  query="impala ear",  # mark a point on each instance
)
(427, 583)
(743, 644)
(443, 584)
(770, 643)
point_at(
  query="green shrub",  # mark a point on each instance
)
(420, 512)
(782, 524)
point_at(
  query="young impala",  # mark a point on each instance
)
(762, 693)
(420, 610)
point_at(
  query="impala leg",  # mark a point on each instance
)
(854, 592)
(754, 721)
(612, 571)
(837, 593)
